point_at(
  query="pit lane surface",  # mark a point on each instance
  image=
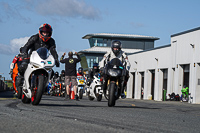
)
(53, 114)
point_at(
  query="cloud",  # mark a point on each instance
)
(12, 12)
(68, 8)
(14, 46)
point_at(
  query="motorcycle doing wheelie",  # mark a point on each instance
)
(37, 75)
(81, 86)
(95, 89)
(115, 73)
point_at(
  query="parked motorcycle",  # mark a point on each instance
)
(115, 72)
(174, 97)
(37, 75)
(185, 94)
(81, 86)
(95, 89)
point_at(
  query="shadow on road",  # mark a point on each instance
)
(6, 94)
(96, 106)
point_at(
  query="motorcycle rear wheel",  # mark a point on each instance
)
(111, 98)
(19, 94)
(38, 90)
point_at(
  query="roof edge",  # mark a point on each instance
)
(184, 32)
(114, 35)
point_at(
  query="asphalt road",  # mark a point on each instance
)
(54, 115)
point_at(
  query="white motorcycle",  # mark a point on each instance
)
(81, 86)
(95, 89)
(37, 75)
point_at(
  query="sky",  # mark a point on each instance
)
(73, 19)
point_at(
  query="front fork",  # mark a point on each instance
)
(33, 81)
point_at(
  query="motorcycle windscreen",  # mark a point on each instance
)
(43, 53)
(115, 63)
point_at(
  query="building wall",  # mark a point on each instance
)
(184, 50)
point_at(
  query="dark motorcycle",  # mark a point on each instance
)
(174, 97)
(115, 73)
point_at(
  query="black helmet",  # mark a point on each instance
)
(56, 74)
(63, 72)
(80, 70)
(95, 65)
(116, 44)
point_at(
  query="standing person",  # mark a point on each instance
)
(70, 72)
(94, 71)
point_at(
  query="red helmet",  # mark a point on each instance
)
(45, 28)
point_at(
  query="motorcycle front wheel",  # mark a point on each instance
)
(111, 96)
(37, 90)
(99, 97)
(81, 93)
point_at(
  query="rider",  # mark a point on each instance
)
(80, 71)
(14, 70)
(42, 39)
(62, 76)
(94, 71)
(56, 77)
(116, 52)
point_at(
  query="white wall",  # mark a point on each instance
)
(181, 52)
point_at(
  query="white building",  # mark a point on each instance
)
(167, 68)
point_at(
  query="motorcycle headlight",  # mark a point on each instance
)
(114, 72)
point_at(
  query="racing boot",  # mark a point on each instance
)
(123, 96)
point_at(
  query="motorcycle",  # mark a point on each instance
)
(49, 88)
(81, 86)
(95, 89)
(115, 72)
(37, 75)
(173, 97)
(57, 89)
(185, 94)
(63, 89)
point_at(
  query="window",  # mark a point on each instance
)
(92, 59)
(98, 42)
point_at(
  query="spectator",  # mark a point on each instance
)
(70, 72)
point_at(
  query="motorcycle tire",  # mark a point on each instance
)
(99, 97)
(90, 98)
(25, 99)
(81, 94)
(111, 98)
(19, 94)
(38, 90)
